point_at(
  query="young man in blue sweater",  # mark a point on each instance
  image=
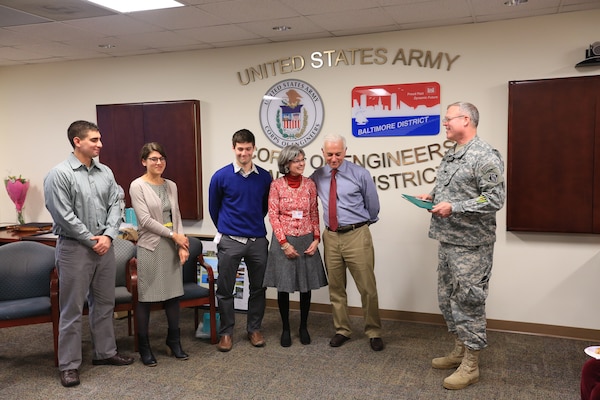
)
(238, 203)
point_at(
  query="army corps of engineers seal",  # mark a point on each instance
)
(291, 112)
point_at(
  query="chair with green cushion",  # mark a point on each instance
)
(25, 293)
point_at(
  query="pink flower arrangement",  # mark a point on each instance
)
(17, 191)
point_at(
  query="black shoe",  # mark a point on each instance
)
(338, 340)
(286, 339)
(304, 336)
(145, 351)
(117, 359)
(69, 377)
(376, 343)
(174, 345)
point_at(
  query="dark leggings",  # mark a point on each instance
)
(142, 313)
(283, 300)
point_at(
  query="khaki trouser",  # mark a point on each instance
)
(352, 250)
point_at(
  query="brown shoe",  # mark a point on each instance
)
(69, 377)
(117, 359)
(256, 338)
(376, 343)
(338, 339)
(225, 344)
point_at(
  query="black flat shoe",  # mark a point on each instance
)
(304, 336)
(286, 339)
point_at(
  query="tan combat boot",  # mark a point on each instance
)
(453, 359)
(467, 372)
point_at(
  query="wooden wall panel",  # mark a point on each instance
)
(551, 166)
(175, 125)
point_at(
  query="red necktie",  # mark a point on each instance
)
(333, 221)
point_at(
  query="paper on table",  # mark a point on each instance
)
(418, 202)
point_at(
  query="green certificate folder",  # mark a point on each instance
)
(418, 202)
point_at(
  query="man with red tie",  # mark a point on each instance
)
(350, 204)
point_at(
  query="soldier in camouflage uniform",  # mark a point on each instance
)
(468, 192)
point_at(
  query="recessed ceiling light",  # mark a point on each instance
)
(126, 6)
(514, 2)
(281, 28)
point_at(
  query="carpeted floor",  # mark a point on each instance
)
(513, 367)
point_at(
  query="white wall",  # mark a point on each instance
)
(537, 278)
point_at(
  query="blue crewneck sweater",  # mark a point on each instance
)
(238, 205)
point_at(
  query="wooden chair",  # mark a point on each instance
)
(194, 295)
(124, 252)
(25, 286)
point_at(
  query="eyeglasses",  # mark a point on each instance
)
(445, 120)
(156, 159)
(298, 161)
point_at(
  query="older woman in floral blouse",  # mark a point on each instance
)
(294, 262)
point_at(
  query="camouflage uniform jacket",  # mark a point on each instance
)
(471, 179)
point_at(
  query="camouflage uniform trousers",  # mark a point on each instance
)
(463, 281)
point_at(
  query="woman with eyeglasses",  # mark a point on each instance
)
(162, 248)
(294, 262)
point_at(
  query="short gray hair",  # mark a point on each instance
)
(286, 156)
(469, 109)
(334, 137)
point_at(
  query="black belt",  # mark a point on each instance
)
(348, 228)
(67, 238)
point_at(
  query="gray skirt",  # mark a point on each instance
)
(160, 275)
(301, 274)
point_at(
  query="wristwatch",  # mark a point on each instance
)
(171, 234)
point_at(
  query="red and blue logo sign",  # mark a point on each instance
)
(396, 110)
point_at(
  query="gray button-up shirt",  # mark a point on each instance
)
(82, 202)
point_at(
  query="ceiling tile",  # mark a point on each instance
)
(429, 11)
(159, 39)
(114, 25)
(312, 7)
(55, 31)
(218, 34)
(179, 18)
(10, 17)
(249, 10)
(352, 18)
(298, 25)
(58, 10)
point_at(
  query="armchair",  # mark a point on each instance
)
(194, 295)
(25, 288)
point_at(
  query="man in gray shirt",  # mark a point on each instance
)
(82, 197)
